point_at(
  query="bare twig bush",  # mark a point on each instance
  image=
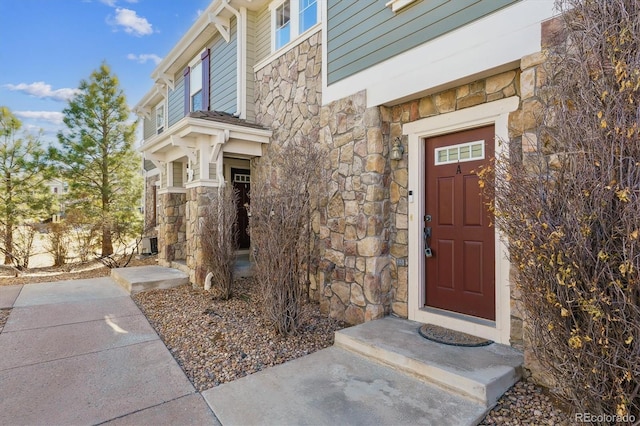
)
(219, 237)
(23, 238)
(58, 242)
(279, 218)
(570, 212)
(84, 234)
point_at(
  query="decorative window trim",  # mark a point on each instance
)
(294, 22)
(396, 5)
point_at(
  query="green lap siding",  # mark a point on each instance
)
(263, 33)
(176, 102)
(149, 126)
(364, 33)
(223, 74)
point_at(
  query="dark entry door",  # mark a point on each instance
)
(241, 179)
(460, 274)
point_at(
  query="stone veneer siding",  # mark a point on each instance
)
(354, 281)
(362, 227)
(172, 236)
(197, 201)
(288, 93)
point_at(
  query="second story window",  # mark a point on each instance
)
(283, 24)
(160, 118)
(195, 87)
(291, 18)
(308, 14)
(197, 83)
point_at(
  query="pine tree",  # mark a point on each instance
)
(98, 159)
(23, 172)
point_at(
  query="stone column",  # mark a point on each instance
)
(172, 235)
(198, 200)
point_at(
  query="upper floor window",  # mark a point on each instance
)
(308, 14)
(197, 83)
(291, 18)
(283, 24)
(160, 118)
(195, 87)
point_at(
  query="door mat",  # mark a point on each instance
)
(449, 337)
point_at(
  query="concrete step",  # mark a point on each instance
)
(481, 374)
(141, 278)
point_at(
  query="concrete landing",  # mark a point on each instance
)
(335, 386)
(381, 372)
(482, 374)
(141, 278)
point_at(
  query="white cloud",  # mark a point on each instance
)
(112, 3)
(144, 57)
(40, 89)
(132, 23)
(50, 116)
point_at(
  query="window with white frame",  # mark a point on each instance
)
(160, 118)
(308, 14)
(195, 86)
(291, 18)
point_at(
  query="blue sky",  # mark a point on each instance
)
(48, 46)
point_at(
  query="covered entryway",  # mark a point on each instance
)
(459, 241)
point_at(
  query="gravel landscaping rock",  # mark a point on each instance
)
(526, 404)
(216, 341)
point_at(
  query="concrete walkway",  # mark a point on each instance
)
(81, 352)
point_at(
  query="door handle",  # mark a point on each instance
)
(427, 236)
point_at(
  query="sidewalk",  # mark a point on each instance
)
(81, 352)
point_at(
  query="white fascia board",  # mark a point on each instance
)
(190, 127)
(491, 42)
(150, 99)
(204, 20)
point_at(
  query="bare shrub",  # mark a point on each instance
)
(570, 212)
(84, 234)
(279, 216)
(23, 237)
(58, 242)
(219, 237)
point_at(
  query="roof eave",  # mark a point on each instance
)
(193, 37)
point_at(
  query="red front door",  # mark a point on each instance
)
(460, 274)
